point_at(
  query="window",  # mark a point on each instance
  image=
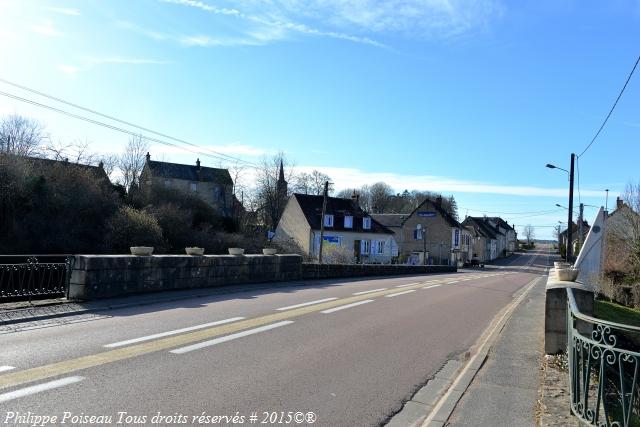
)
(328, 220)
(366, 223)
(380, 247)
(417, 234)
(217, 194)
(194, 186)
(348, 222)
(365, 247)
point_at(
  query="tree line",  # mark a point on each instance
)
(65, 208)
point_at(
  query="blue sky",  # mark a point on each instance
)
(470, 98)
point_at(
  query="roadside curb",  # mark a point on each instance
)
(433, 404)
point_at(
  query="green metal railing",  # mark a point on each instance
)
(603, 369)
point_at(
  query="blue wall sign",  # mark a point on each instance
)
(426, 214)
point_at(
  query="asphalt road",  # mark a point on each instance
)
(349, 351)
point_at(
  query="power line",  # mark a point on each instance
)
(116, 128)
(57, 99)
(612, 108)
(508, 213)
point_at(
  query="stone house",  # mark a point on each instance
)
(484, 242)
(428, 233)
(507, 244)
(213, 185)
(346, 226)
(622, 228)
(575, 231)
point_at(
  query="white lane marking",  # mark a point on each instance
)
(432, 286)
(455, 281)
(368, 292)
(226, 338)
(400, 293)
(6, 368)
(404, 286)
(304, 304)
(174, 332)
(342, 307)
(27, 391)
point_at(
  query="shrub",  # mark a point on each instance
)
(334, 254)
(133, 227)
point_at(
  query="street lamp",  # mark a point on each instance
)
(570, 214)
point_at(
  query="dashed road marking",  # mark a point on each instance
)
(226, 338)
(368, 292)
(342, 307)
(304, 304)
(27, 391)
(404, 286)
(174, 332)
(400, 293)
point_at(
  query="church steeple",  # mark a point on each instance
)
(281, 175)
(281, 186)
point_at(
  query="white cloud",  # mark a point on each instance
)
(270, 19)
(351, 177)
(46, 28)
(206, 41)
(90, 63)
(65, 11)
(68, 69)
(129, 61)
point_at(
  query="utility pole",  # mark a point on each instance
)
(324, 210)
(570, 221)
(580, 230)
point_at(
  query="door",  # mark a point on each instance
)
(356, 249)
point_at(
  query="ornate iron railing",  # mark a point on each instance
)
(603, 369)
(32, 279)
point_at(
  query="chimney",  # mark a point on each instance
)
(619, 203)
(439, 201)
(198, 163)
(101, 164)
(148, 157)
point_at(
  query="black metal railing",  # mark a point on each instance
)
(30, 277)
(604, 369)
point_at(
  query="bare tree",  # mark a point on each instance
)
(77, 151)
(238, 172)
(21, 136)
(312, 183)
(109, 164)
(132, 161)
(623, 233)
(268, 200)
(529, 233)
(381, 194)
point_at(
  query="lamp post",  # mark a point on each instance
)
(570, 213)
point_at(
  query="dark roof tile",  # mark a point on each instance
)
(189, 172)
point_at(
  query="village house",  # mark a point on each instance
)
(346, 227)
(575, 236)
(427, 235)
(507, 236)
(484, 240)
(622, 228)
(213, 185)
